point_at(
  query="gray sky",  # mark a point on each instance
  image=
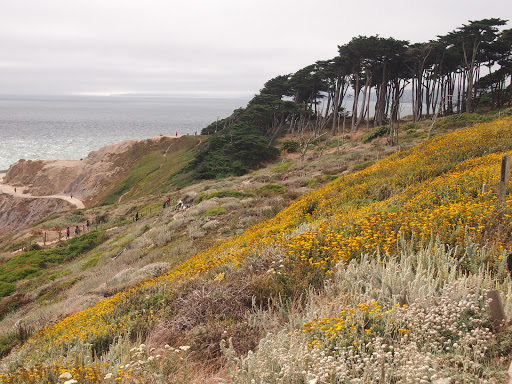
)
(199, 47)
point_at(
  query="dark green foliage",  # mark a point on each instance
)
(91, 263)
(34, 247)
(200, 198)
(6, 288)
(290, 146)
(411, 127)
(6, 344)
(219, 125)
(233, 153)
(101, 344)
(227, 193)
(271, 188)
(376, 132)
(32, 263)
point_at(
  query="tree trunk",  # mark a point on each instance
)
(356, 100)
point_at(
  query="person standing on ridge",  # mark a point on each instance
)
(176, 133)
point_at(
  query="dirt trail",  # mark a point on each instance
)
(10, 190)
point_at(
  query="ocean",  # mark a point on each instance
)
(69, 127)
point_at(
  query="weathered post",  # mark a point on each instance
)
(497, 311)
(505, 176)
(44, 239)
(484, 188)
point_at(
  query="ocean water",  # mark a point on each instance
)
(72, 126)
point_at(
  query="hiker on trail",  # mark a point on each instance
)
(87, 224)
(77, 231)
(67, 233)
(176, 133)
(168, 201)
(14, 189)
(165, 203)
(71, 194)
(137, 216)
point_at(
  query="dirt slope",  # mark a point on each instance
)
(17, 213)
(81, 178)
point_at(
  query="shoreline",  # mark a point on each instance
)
(172, 136)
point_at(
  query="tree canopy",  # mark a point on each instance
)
(463, 70)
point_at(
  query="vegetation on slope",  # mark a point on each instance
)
(426, 201)
(444, 77)
(153, 166)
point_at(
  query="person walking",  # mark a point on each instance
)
(176, 133)
(67, 233)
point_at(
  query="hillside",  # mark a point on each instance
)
(379, 276)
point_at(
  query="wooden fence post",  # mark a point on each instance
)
(505, 176)
(484, 188)
(497, 311)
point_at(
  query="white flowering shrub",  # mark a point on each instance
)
(414, 319)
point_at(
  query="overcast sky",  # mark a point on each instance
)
(199, 47)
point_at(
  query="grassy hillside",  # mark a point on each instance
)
(381, 274)
(150, 165)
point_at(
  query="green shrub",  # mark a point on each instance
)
(411, 127)
(6, 288)
(21, 272)
(226, 193)
(60, 274)
(363, 165)
(281, 167)
(290, 146)
(200, 198)
(6, 344)
(34, 247)
(31, 263)
(376, 132)
(271, 188)
(215, 212)
(91, 263)
(233, 152)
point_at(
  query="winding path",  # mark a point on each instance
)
(9, 190)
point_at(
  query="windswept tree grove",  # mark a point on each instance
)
(465, 70)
